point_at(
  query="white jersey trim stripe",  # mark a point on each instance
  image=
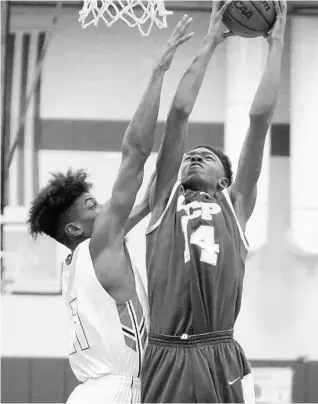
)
(134, 321)
(142, 325)
(228, 199)
(154, 226)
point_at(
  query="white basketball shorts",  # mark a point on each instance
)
(107, 389)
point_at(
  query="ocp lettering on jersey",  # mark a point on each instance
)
(195, 209)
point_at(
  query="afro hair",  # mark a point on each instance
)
(52, 203)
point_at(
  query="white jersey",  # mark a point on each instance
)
(107, 337)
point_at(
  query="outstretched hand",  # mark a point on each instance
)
(216, 27)
(278, 30)
(178, 37)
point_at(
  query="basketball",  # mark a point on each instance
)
(250, 19)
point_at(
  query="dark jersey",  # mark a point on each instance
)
(195, 262)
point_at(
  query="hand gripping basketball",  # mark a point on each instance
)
(178, 37)
(278, 31)
(216, 27)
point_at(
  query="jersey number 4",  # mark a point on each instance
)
(204, 238)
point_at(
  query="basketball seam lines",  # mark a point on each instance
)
(259, 12)
(243, 25)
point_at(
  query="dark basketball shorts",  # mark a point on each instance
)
(205, 368)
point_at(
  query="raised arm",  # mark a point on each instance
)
(173, 143)
(141, 210)
(243, 190)
(109, 226)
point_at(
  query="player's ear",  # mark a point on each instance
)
(223, 183)
(73, 229)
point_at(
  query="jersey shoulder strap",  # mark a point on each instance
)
(157, 224)
(228, 200)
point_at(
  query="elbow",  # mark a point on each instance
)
(137, 149)
(262, 109)
(181, 108)
(263, 114)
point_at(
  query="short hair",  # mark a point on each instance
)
(223, 158)
(52, 203)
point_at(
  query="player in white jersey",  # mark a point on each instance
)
(108, 337)
(100, 285)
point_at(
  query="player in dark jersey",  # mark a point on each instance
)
(196, 248)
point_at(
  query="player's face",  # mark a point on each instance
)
(201, 169)
(86, 209)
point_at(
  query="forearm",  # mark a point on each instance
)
(190, 84)
(261, 113)
(266, 96)
(139, 135)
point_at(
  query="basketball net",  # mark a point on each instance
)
(110, 11)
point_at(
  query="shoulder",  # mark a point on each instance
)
(235, 214)
(236, 203)
(162, 206)
(82, 251)
(244, 202)
(83, 246)
(72, 267)
(227, 197)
